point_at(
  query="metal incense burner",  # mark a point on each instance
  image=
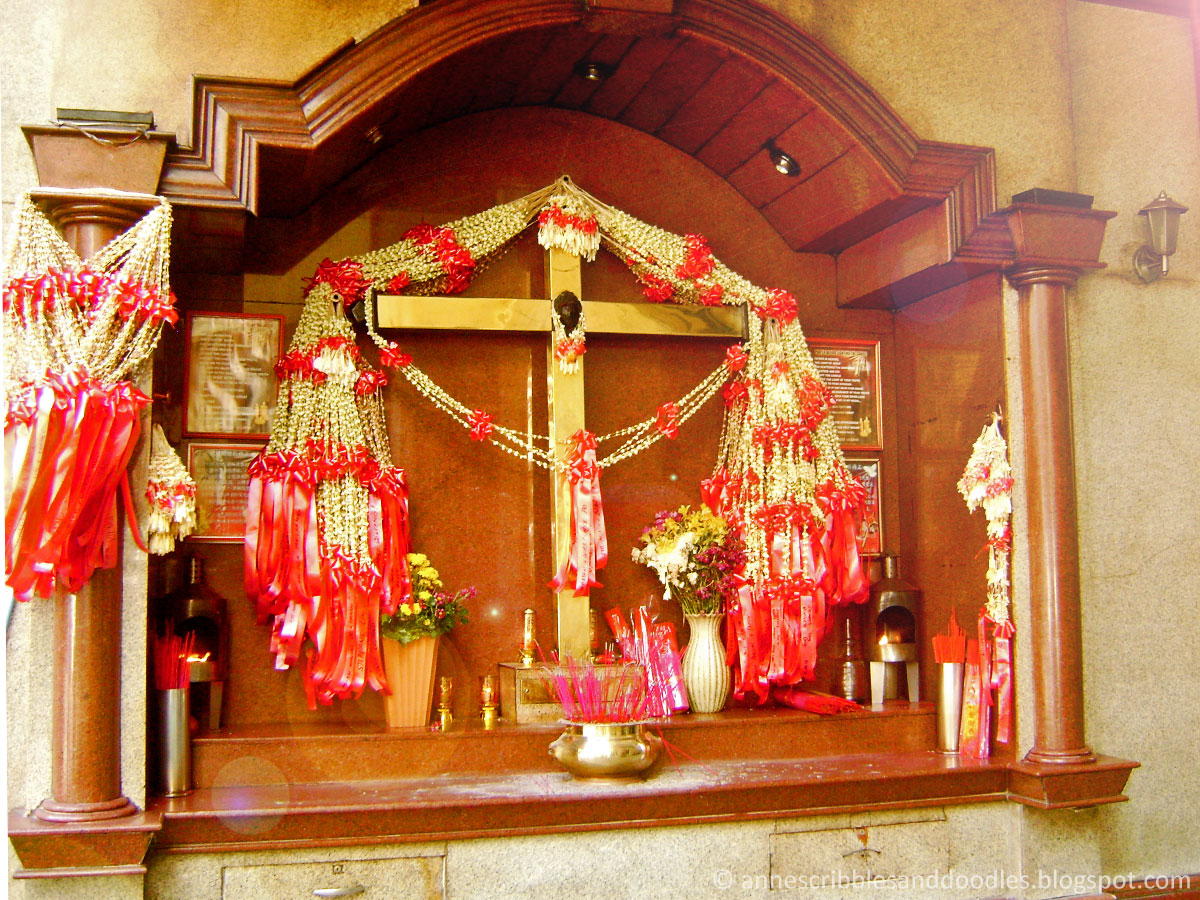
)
(198, 609)
(894, 605)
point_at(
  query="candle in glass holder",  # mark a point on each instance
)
(527, 639)
(488, 695)
(445, 700)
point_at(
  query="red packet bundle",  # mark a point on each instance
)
(657, 689)
(655, 648)
(669, 665)
(973, 733)
(621, 631)
(1002, 681)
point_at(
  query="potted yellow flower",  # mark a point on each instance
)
(410, 642)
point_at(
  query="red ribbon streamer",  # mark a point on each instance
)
(71, 446)
(775, 628)
(588, 552)
(308, 588)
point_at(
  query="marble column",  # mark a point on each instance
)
(1054, 245)
(94, 187)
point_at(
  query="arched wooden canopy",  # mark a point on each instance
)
(717, 79)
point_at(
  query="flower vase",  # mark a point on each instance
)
(704, 671)
(409, 669)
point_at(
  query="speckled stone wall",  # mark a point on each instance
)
(1136, 378)
(1073, 96)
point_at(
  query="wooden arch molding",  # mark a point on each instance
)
(273, 148)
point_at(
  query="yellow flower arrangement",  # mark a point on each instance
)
(432, 611)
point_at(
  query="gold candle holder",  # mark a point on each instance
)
(489, 695)
(445, 701)
(527, 638)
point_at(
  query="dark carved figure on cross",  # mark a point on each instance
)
(568, 309)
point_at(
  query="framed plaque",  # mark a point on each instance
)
(222, 482)
(870, 535)
(851, 370)
(230, 386)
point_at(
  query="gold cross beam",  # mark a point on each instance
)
(564, 392)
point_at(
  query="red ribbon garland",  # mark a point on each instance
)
(309, 588)
(70, 450)
(775, 629)
(589, 540)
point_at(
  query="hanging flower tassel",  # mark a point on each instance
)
(172, 495)
(567, 223)
(589, 541)
(987, 482)
(79, 335)
(327, 514)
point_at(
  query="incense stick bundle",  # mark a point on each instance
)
(950, 647)
(590, 695)
(171, 667)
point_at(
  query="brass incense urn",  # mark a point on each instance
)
(613, 751)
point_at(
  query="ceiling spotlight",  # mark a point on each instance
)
(784, 164)
(593, 71)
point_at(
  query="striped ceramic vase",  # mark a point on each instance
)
(704, 670)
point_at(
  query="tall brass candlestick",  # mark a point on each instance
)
(527, 639)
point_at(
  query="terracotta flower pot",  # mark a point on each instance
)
(409, 669)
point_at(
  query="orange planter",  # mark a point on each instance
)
(409, 668)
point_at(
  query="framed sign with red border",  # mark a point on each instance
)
(222, 482)
(870, 534)
(229, 360)
(850, 369)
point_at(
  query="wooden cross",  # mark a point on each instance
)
(565, 392)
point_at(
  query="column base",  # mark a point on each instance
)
(55, 811)
(1063, 785)
(1075, 757)
(81, 849)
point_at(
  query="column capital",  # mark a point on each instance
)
(1053, 242)
(95, 183)
(104, 158)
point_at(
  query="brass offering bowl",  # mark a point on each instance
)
(613, 751)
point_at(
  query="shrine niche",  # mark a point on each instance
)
(754, 219)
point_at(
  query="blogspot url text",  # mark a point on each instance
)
(727, 880)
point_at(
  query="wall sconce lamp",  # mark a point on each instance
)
(1150, 260)
(783, 163)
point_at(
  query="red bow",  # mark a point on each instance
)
(667, 420)
(345, 278)
(780, 306)
(391, 355)
(735, 358)
(481, 425)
